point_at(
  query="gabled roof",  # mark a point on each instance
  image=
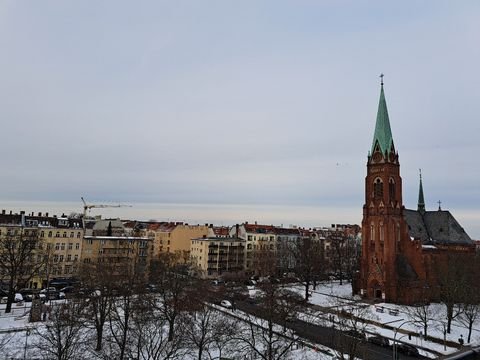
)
(435, 227)
(382, 137)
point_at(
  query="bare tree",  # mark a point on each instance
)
(175, 289)
(309, 262)
(98, 283)
(128, 285)
(267, 334)
(350, 323)
(150, 330)
(452, 278)
(340, 256)
(64, 335)
(20, 251)
(471, 296)
(207, 330)
(422, 313)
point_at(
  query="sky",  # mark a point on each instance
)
(238, 103)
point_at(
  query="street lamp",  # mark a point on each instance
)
(26, 344)
(395, 337)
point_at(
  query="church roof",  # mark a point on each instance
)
(383, 132)
(435, 227)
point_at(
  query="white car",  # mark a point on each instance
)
(226, 304)
(18, 297)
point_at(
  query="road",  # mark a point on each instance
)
(332, 338)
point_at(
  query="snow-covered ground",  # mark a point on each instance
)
(18, 337)
(334, 296)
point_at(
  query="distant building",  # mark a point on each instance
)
(402, 249)
(218, 256)
(108, 242)
(258, 239)
(174, 237)
(59, 239)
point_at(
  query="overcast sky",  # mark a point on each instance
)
(238, 102)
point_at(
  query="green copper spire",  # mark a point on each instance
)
(383, 133)
(421, 200)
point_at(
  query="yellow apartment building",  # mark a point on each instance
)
(174, 237)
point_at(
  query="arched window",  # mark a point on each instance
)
(378, 188)
(391, 189)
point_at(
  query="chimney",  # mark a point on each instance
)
(46, 214)
(255, 223)
(3, 212)
(236, 230)
(10, 212)
(22, 212)
(39, 214)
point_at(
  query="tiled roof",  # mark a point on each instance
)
(221, 230)
(435, 226)
(260, 229)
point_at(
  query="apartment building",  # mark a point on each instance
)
(59, 243)
(215, 256)
(108, 243)
(258, 240)
(174, 237)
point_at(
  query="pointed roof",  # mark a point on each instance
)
(421, 200)
(383, 133)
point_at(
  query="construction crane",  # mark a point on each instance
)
(96, 206)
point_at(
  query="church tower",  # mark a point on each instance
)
(383, 223)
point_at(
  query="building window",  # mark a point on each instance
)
(57, 234)
(69, 257)
(78, 235)
(42, 234)
(72, 234)
(62, 247)
(57, 246)
(378, 188)
(372, 232)
(70, 246)
(49, 234)
(75, 258)
(391, 189)
(64, 234)
(60, 258)
(77, 246)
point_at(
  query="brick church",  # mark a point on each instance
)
(401, 248)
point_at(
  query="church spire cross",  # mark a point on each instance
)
(439, 205)
(381, 79)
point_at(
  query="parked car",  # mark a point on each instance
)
(67, 289)
(52, 293)
(226, 304)
(379, 340)
(18, 297)
(355, 334)
(50, 289)
(28, 294)
(407, 349)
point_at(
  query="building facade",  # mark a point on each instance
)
(216, 257)
(59, 243)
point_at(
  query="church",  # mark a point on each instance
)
(402, 249)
